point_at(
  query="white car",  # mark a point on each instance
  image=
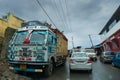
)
(80, 61)
(92, 56)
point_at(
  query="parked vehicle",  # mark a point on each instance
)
(92, 56)
(80, 61)
(36, 47)
(116, 60)
(106, 56)
(91, 53)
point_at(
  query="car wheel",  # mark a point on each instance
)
(71, 70)
(96, 59)
(113, 64)
(103, 61)
(100, 60)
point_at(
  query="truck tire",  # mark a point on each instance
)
(49, 69)
(90, 71)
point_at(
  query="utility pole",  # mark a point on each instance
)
(72, 42)
(91, 40)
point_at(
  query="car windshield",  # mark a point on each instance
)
(89, 51)
(79, 55)
(109, 53)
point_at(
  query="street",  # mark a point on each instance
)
(100, 71)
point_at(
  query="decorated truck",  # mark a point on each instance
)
(37, 47)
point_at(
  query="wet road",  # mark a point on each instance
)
(100, 71)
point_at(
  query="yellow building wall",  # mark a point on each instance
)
(3, 26)
(10, 21)
(14, 22)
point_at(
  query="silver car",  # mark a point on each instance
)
(106, 56)
(80, 61)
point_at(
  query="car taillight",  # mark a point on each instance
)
(29, 59)
(89, 61)
(71, 61)
(22, 58)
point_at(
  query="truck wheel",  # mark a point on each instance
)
(49, 69)
(90, 71)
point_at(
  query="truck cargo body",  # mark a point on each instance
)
(37, 48)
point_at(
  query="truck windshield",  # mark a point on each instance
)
(20, 37)
(36, 37)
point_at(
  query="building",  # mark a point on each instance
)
(110, 34)
(9, 20)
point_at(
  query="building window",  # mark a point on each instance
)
(112, 24)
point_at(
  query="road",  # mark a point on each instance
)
(100, 71)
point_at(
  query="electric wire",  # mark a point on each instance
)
(67, 12)
(63, 13)
(45, 12)
(61, 17)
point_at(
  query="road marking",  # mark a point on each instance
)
(67, 79)
(110, 77)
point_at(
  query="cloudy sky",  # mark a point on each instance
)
(77, 18)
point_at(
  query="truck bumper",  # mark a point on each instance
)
(26, 70)
(27, 66)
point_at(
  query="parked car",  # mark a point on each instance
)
(80, 61)
(92, 56)
(116, 60)
(91, 53)
(106, 56)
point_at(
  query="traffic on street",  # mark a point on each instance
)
(101, 71)
(59, 39)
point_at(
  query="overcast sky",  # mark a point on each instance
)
(77, 18)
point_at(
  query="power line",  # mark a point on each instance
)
(67, 11)
(64, 17)
(61, 17)
(45, 12)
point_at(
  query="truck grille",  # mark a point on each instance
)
(25, 52)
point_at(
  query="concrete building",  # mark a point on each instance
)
(110, 34)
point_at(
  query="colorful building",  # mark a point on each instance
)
(110, 34)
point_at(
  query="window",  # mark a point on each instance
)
(38, 36)
(112, 24)
(20, 37)
(79, 55)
